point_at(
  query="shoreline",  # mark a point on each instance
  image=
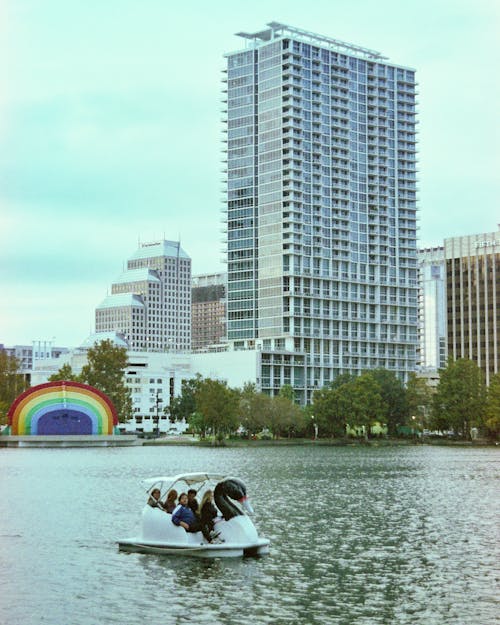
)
(325, 442)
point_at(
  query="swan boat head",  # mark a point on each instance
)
(228, 491)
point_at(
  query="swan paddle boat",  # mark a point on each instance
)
(236, 533)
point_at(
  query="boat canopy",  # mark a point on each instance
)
(190, 479)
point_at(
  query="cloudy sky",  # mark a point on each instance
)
(110, 132)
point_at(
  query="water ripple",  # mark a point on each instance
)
(359, 536)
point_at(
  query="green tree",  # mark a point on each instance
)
(252, 409)
(330, 408)
(287, 391)
(64, 373)
(393, 395)
(341, 379)
(219, 406)
(105, 368)
(183, 406)
(197, 424)
(12, 383)
(492, 412)
(367, 403)
(460, 399)
(419, 398)
(283, 416)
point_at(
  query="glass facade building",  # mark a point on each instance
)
(320, 155)
(432, 309)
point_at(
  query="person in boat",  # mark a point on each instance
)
(192, 501)
(154, 499)
(171, 501)
(184, 516)
(208, 512)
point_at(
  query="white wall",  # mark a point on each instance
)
(235, 367)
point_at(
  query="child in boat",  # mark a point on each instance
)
(184, 516)
(208, 512)
(154, 499)
(170, 502)
(192, 501)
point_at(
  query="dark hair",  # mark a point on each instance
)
(181, 496)
(172, 495)
(191, 491)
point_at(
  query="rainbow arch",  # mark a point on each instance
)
(58, 408)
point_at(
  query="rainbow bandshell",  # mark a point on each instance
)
(62, 407)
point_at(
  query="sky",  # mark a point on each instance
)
(110, 128)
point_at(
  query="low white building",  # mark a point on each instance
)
(154, 379)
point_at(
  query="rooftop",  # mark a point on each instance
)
(143, 274)
(154, 249)
(115, 337)
(117, 300)
(277, 30)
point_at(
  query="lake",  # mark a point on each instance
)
(359, 535)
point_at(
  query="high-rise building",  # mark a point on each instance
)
(208, 310)
(321, 208)
(432, 309)
(150, 302)
(473, 299)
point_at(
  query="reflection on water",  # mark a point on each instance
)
(359, 536)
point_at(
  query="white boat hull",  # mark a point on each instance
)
(201, 551)
(161, 536)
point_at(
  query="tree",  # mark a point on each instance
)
(183, 406)
(418, 398)
(341, 379)
(283, 415)
(251, 409)
(12, 383)
(460, 398)
(393, 395)
(105, 368)
(287, 391)
(367, 405)
(198, 424)
(219, 406)
(492, 412)
(64, 373)
(330, 408)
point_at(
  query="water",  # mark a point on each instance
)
(403, 535)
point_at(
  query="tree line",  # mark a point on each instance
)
(348, 405)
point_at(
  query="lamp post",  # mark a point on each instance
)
(315, 426)
(423, 418)
(413, 426)
(157, 418)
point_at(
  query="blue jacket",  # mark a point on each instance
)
(183, 513)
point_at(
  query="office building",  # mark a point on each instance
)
(473, 299)
(208, 311)
(150, 302)
(320, 160)
(432, 353)
(29, 355)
